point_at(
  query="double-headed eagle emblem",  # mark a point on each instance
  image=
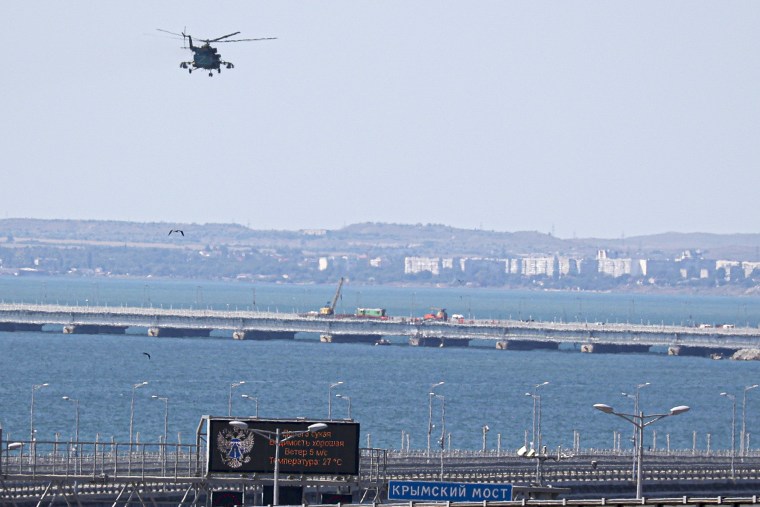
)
(234, 444)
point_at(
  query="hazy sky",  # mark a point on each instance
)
(594, 118)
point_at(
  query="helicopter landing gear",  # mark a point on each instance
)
(210, 74)
(190, 71)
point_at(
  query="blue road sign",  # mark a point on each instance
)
(449, 491)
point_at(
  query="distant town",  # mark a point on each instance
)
(381, 254)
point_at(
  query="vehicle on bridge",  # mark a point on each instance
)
(374, 313)
(440, 314)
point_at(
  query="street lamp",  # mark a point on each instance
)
(536, 444)
(165, 399)
(636, 398)
(442, 440)
(229, 401)
(132, 409)
(279, 438)
(329, 398)
(743, 436)
(430, 412)
(76, 424)
(35, 387)
(254, 399)
(640, 421)
(349, 403)
(733, 428)
(485, 432)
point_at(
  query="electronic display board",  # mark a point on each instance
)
(233, 449)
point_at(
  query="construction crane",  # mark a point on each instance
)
(330, 309)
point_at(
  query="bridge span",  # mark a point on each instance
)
(505, 334)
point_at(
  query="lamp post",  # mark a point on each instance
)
(76, 419)
(349, 402)
(640, 421)
(279, 438)
(254, 399)
(35, 387)
(165, 399)
(536, 415)
(485, 432)
(430, 412)
(442, 440)
(229, 401)
(743, 436)
(636, 398)
(329, 397)
(132, 409)
(733, 429)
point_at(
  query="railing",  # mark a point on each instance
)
(100, 460)
(113, 461)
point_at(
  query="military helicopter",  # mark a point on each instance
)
(206, 56)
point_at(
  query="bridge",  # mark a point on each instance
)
(505, 334)
(121, 474)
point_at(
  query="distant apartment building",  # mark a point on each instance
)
(313, 232)
(413, 265)
(615, 267)
(733, 270)
(323, 263)
(538, 266)
(750, 267)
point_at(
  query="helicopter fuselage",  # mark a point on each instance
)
(206, 57)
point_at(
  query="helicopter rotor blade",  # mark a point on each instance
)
(247, 40)
(173, 33)
(223, 37)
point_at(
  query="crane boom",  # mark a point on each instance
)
(330, 310)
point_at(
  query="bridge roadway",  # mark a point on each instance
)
(152, 474)
(253, 324)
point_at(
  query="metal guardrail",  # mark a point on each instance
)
(30, 470)
(100, 459)
(97, 460)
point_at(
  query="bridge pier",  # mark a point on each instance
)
(178, 332)
(682, 350)
(263, 335)
(438, 341)
(525, 345)
(612, 348)
(349, 338)
(19, 326)
(93, 329)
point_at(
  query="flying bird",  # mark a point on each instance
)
(147, 354)
(176, 230)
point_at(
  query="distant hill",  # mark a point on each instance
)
(406, 239)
